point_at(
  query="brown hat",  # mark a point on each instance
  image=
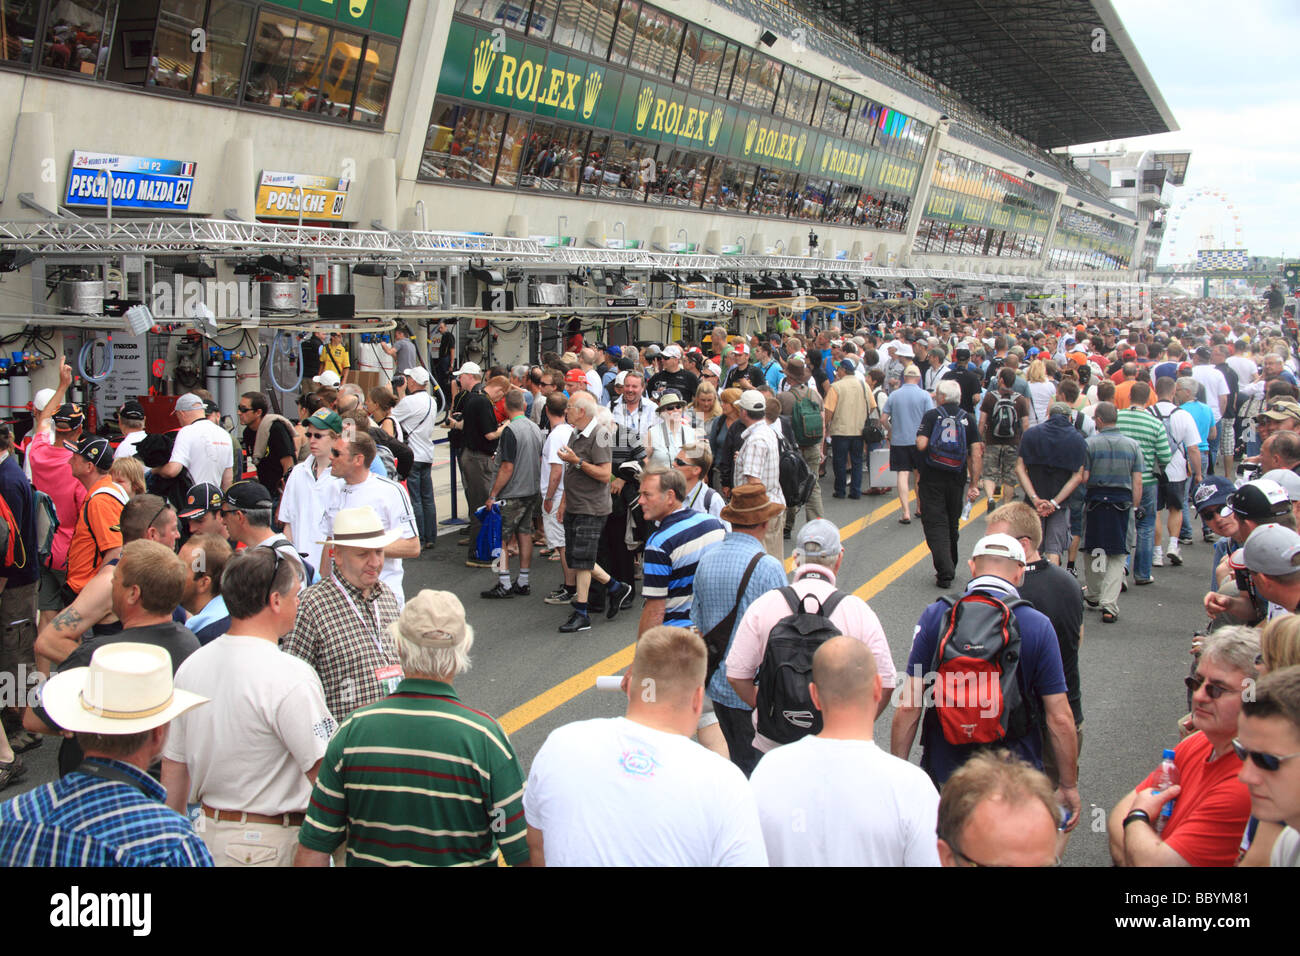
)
(750, 506)
(432, 619)
(1279, 410)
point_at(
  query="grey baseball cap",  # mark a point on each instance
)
(1273, 550)
(819, 538)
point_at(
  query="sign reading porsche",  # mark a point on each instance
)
(322, 198)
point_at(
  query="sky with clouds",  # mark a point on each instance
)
(1229, 73)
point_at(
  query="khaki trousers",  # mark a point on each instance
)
(774, 538)
(232, 843)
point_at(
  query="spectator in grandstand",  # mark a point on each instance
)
(997, 811)
(251, 757)
(868, 808)
(1212, 803)
(423, 737)
(690, 807)
(108, 811)
(206, 556)
(997, 569)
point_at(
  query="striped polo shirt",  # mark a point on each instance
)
(671, 554)
(419, 779)
(1112, 459)
(1148, 431)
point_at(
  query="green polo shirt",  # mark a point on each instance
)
(1150, 435)
(419, 779)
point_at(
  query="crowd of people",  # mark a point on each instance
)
(243, 678)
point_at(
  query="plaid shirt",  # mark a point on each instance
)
(337, 635)
(760, 458)
(83, 820)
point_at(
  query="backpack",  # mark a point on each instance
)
(309, 570)
(395, 455)
(47, 525)
(805, 419)
(947, 448)
(1004, 418)
(797, 479)
(873, 431)
(976, 697)
(784, 705)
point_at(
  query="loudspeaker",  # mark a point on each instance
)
(767, 38)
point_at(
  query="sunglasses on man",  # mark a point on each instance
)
(1269, 762)
(1212, 690)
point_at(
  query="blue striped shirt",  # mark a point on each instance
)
(83, 820)
(1113, 457)
(716, 579)
(671, 554)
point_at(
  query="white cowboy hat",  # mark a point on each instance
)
(360, 528)
(127, 689)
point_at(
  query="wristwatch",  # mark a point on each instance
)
(1137, 815)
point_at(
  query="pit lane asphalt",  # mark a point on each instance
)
(1131, 672)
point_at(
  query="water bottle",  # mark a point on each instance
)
(1168, 777)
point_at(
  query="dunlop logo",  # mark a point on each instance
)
(643, 104)
(714, 125)
(591, 93)
(750, 132)
(484, 56)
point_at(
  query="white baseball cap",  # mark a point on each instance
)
(419, 373)
(328, 379)
(469, 368)
(999, 546)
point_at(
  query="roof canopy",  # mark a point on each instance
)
(1036, 67)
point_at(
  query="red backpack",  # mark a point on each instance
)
(976, 696)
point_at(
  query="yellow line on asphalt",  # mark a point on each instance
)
(559, 695)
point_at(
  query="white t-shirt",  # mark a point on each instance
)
(1183, 434)
(611, 792)
(416, 413)
(556, 439)
(1245, 368)
(1215, 386)
(1286, 849)
(391, 503)
(126, 448)
(205, 449)
(593, 383)
(1041, 396)
(303, 503)
(264, 726)
(844, 803)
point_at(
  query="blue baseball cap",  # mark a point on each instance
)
(1213, 492)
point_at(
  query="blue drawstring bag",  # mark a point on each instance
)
(487, 547)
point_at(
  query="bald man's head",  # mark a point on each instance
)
(845, 676)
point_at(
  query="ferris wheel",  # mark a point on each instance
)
(1205, 218)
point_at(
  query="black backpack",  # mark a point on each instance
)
(403, 457)
(784, 706)
(797, 479)
(1004, 418)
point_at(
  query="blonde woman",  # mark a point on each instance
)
(1041, 391)
(1279, 648)
(705, 408)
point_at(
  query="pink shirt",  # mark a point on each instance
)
(52, 474)
(851, 616)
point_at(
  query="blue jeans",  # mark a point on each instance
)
(846, 450)
(419, 485)
(1146, 534)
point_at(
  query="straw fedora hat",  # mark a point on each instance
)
(127, 689)
(750, 506)
(360, 528)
